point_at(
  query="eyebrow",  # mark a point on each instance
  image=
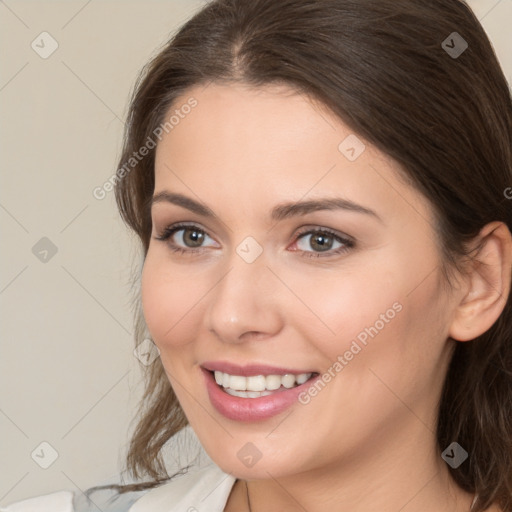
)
(279, 212)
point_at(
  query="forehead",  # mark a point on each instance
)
(264, 145)
(242, 122)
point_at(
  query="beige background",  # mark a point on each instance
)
(67, 369)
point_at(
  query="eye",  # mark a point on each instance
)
(322, 240)
(190, 236)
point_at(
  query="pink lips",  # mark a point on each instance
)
(251, 409)
(249, 370)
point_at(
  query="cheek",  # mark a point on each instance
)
(379, 318)
(170, 308)
(336, 307)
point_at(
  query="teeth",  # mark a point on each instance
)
(303, 377)
(288, 380)
(237, 382)
(273, 382)
(247, 394)
(258, 385)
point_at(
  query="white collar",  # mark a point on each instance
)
(205, 489)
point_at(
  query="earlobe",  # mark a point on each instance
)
(489, 283)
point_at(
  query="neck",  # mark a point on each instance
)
(387, 475)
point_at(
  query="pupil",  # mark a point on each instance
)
(196, 237)
(321, 243)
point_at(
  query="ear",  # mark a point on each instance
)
(487, 284)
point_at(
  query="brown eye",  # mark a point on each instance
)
(192, 237)
(321, 242)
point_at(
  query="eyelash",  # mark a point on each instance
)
(347, 244)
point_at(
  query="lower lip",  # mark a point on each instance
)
(252, 409)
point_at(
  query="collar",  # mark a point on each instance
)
(207, 488)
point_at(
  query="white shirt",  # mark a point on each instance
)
(203, 489)
(206, 490)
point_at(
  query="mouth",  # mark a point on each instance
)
(253, 393)
(257, 386)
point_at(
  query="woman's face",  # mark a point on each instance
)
(348, 293)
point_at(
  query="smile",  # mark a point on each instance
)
(254, 392)
(258, 385)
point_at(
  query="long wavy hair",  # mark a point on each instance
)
(386, 69)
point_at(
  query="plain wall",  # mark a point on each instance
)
(67, 369)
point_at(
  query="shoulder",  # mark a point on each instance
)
(195, 489)
(61, 501)
(106, 500)
(207, 488)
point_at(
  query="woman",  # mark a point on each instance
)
(322, 192)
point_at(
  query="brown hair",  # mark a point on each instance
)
(381, 67)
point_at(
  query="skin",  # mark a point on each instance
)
(367, 440)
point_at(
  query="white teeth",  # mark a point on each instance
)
(247, 394)
(272, 382)
(303, 377)
(238, 382)
(258, 385)
(288, 381)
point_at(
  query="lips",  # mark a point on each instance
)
(249, 409)
(251, 369)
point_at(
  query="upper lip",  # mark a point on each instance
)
(250, 369)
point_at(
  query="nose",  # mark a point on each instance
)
(244, 304)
